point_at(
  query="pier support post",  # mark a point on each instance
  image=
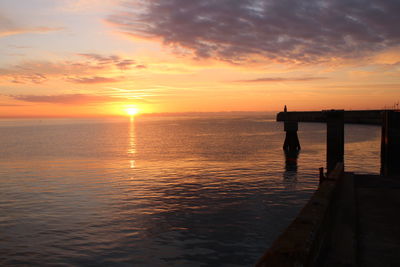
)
(390, 145)
(335, 138)
(291, 140)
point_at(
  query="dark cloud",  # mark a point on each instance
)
(93, 80)
(282, 79)
(67, 98)
(278, 30)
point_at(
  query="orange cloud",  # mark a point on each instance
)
(69, 99)
(16, 31)
(114, 60)
(87, 69)
(36, 78)
(93, 80)
(283, 79)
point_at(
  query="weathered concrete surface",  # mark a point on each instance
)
(378, 222)
(341, 250)
(350, 116)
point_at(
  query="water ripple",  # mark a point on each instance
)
(156, 192)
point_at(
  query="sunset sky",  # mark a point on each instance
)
(102, 57)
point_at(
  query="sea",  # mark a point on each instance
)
(180, 190)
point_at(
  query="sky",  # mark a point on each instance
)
(78, 58)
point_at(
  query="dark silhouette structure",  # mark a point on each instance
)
(351, 219)
(334, 138)
(292, 142)
(373, 117)
(390, 145)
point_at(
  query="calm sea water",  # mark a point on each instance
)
(172, 191)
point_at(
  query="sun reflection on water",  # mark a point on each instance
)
(132, 143)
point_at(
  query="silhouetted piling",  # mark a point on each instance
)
(291, 140)
(335, 138)
(390, 145)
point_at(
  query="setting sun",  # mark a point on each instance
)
(132, 111)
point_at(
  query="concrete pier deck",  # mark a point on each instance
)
(350, 116)
(366, 226)
(352, 220)
(378, 220)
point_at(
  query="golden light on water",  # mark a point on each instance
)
(132, 143)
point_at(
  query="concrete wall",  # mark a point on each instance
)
(305, 240)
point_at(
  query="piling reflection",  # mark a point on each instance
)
(291, 165)
(132, 143)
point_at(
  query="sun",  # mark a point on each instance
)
(132, 111)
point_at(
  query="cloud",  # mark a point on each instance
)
(141, 66)
(375, 86)
(12, 105)
(285, 31)
(36, 78)
(16, 31)
(86, 69)
(8, 27)
(93, 80)
(71, 99)
(113, 60)
(282, 79)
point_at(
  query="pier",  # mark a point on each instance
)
(350, 116)
(351, 219)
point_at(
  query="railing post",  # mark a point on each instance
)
(390, 145)
(335, 138)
